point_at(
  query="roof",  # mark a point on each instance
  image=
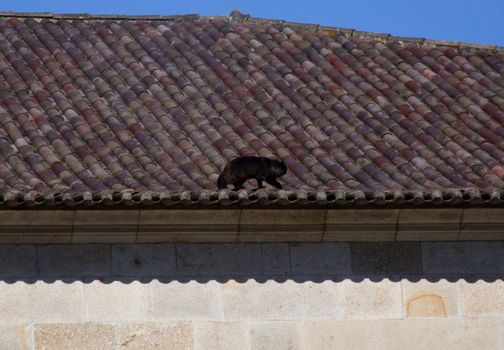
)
(145, 110)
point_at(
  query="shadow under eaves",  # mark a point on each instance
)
(262, 262)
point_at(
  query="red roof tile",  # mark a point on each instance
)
(117, 105)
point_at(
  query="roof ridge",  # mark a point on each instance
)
(85, 16)
(236, 15)
(351, 32)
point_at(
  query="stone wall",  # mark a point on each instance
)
(430, 295)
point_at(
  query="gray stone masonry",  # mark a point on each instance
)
(388, 295)
(250, 260)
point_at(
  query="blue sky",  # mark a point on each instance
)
(472, 21)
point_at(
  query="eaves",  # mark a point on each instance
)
(250, 225)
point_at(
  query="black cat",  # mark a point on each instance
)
(241, 169)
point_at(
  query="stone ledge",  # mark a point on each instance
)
(249, 225)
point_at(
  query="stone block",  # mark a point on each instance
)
(397, 258)
(74, 260)
(154, 336)
(188, 226)
(347, 334)
(275, 259)
(439, 334)
(361, 225)
(264, 225)
(105, 226)
(114, 301)
(77, 336)
(276, 335)
(143, 260)
(56, 301)
(320, 258)
(273, 300)
(441, 224)
(369, 300)
(424, 298)
(15, 338)
(463, 257)
(17, 261)
(176, 300)
(13, 311)
(482, 298)
(219, 335)
(482, 224)
(218, 259)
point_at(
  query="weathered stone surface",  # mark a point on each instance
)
(188, 225)
(347, 334)
(37, 222)
(117, 220)
(41, 238)
(361, 225)
(154, 336)
(83, 336)
(463, 257)
(74, 260)
(187, 237)
(482, 298)
(105, 226)
(348, 314)
(15, 338)
(482, 224)
(276, 335)
(386, 258)
(320, 258)
(218, 259)
(429, 224)
(369, 300)
(219, 335)
(115, 301)
(265, 225)
(57, 301)
(16, 302)
(17, 260)
(273, 300)
(176, 300)
(105, 238)
(275, 259)
(430, 299)
(434, 334)
(143, 260)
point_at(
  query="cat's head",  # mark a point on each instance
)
(278, 168)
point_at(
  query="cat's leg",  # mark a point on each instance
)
(273, 182)
(259, 184)
(238, 185)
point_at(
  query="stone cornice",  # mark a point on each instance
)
(250, 225)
